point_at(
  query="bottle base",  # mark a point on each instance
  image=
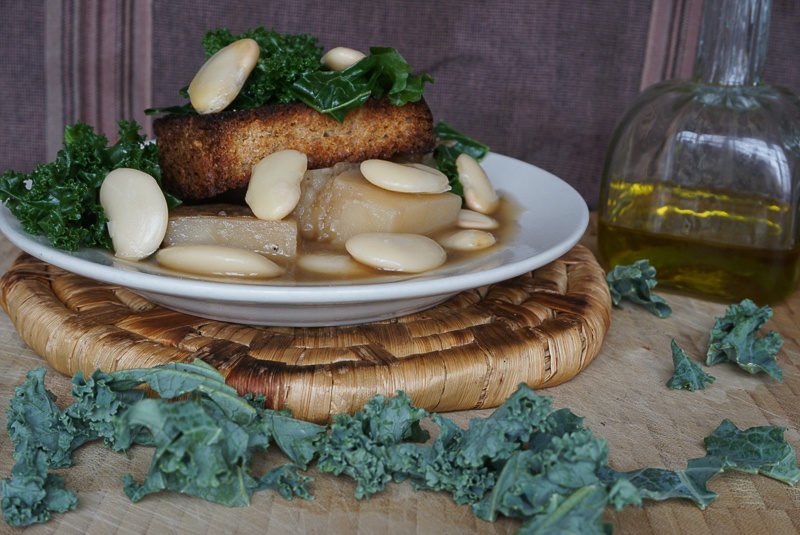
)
(719, 271)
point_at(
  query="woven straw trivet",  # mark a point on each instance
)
(470, 352)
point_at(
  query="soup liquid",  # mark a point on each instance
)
(672, 227)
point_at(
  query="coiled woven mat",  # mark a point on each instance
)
(470, 352)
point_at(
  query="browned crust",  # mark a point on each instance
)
(203, 156)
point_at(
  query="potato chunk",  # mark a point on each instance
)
(348, 205)
(231, 225)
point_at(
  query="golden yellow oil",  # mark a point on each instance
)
(723, 245)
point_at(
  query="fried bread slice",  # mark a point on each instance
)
(204, 156)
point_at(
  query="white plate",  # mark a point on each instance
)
(552, 218)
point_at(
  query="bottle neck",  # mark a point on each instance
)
(733, 42)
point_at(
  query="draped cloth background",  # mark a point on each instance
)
(542, 81)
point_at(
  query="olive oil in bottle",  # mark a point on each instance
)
(709, 248)
(702, 176)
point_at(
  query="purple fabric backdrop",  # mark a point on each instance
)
(541, 81)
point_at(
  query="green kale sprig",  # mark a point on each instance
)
(362, 446)
(634, 282)
(60, 200)
(688, 373)
(289, 70)
(733, 339)
(282, 60)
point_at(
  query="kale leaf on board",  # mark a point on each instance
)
(733, 339)
(761, 449)
(32, 493)
(45, 437)
(688, 373)
(635, 282)
(449, 146)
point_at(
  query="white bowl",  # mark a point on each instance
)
(552, 218)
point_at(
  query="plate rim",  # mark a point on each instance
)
(310, 295)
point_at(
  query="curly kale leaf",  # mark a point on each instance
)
(282, 61)
(450, 145)
(296, 438)
(97, 402)
(438, 466)
(360, 445)
(733, 339)
(198, 452)
(634, 282)
(205, 444)
(177, 379)
(61, 201)
(535, 480)
(31, 494)
(36, 423)
(688, 373)
(286, 481)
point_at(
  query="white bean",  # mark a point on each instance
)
(341, 57)
(218, 260)
(404, 178)
(411, 253)
(222, 76)
(329, 263)
(468, 240)
(479, 194)
(274, 188)
(136, 211)
(476, 220)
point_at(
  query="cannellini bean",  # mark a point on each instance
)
(218, 260)
(274, 188)
(476, 220)
(404, 178)
(468, 240)
(411, 253)
(136, 211)
(479, 194)
(329, 264)
(341, 57)
(222, 76)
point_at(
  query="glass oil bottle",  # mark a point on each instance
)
(702, 175)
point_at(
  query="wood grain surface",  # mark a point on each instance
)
(622, 396)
